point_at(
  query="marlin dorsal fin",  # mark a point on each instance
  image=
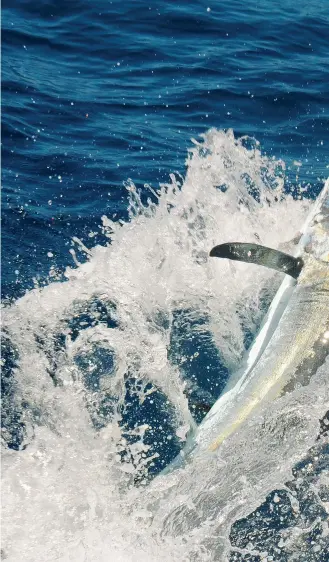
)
(261, 255)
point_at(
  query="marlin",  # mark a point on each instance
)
(293, 341)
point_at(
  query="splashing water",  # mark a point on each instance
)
(102, 370)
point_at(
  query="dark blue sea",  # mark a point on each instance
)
(94, 94)
(99, 96)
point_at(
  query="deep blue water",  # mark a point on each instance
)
(95, 93)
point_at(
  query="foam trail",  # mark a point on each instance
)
(69, 494)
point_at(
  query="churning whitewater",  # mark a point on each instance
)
(148, 322)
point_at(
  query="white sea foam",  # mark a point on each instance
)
(68, 495)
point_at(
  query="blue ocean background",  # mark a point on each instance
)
(94, 94)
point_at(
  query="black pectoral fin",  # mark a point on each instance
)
(261, 255)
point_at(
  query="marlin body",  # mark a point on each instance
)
(294, 339)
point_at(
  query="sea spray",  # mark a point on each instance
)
(112, 335)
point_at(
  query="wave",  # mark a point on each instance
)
(109, 366)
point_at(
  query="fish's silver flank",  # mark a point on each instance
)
(298, 346)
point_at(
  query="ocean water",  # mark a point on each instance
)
(135, 136)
